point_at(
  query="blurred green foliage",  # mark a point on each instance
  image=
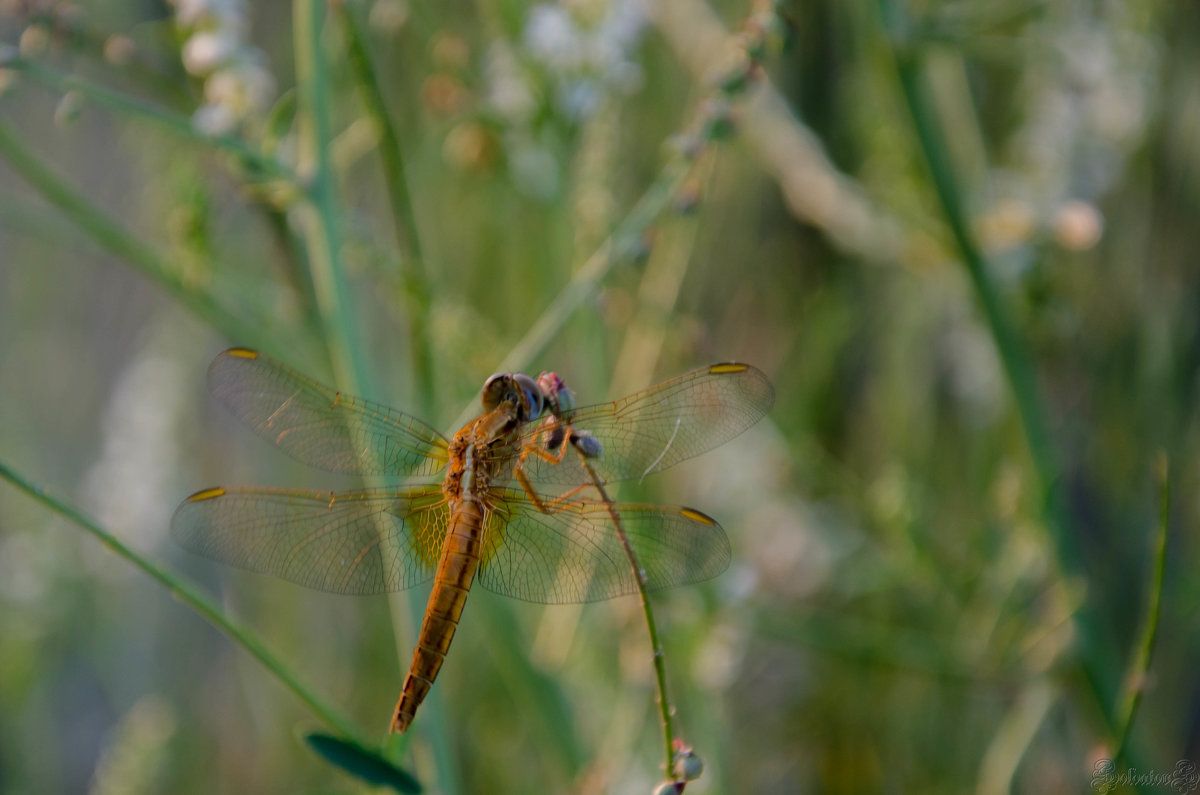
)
(942, 568)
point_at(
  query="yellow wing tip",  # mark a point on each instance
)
(697, 516)
(242, 353)
(728, 367)
(207, 494)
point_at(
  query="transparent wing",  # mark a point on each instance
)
(575, 555)
(320, 426)
(361, 542)
(661, 426)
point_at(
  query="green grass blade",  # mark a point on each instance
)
(111, 237)
(361, 763)
(342, 332)
(404, 221)
(162, 118)
(240, 634)
(1139, 668)
(1096, 646)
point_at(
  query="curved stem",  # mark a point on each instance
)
(1135, 680)
(639, 574)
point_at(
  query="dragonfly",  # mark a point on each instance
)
(514, 500)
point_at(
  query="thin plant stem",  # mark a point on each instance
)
(82, 38)
(658, 291)
(639, 574)
(817, 193)
(322, 225)
(622, 243)
(1096, 647)
(239, 634)
(137, 108)
(625, 240)
(111, 237)
(1135, 680)
(419, 291)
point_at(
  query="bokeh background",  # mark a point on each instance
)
(960, 237)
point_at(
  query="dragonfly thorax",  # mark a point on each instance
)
(474, 458)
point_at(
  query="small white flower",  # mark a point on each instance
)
(214, 119)
(229, 14)
(1078, 225)
(580, 98)
(237, 84)
(242, 87)
(388, 16)
(587, 57)
(204, 52)
(552, 37)
(508, 92)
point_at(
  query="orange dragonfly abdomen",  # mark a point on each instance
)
(455, 572)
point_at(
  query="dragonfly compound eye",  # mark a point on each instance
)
(532, 400)
(517, 388)
(497, 388)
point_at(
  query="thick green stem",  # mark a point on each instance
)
(1095, 646)
(322, 224)
(344, 337)
(193, 599)
(404, 221)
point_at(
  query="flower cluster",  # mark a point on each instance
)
(237, 83)
(1089, 102)
(572, 56)
(584, 46)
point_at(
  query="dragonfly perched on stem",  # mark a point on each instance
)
(549, 539)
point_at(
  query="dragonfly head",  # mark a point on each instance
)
(517, 388)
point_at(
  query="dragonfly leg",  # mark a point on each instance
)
(547, 506)
(568, 441)
(549, 427)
